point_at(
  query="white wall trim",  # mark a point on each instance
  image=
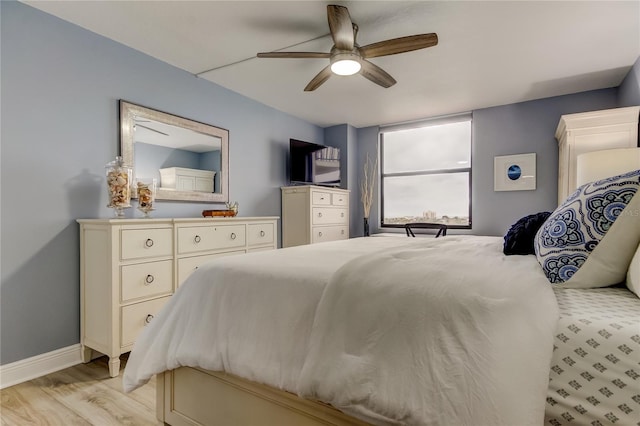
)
(39, 365)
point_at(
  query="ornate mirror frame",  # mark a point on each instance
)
(130, 112)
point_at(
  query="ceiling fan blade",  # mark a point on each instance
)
(376, 74)
(153, 130)
(294, 55)
(320, 78)
(340, 26)
(399, 45)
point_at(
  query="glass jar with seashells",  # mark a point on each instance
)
(119, 186)
(146, 189)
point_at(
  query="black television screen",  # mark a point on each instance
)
(311, 163)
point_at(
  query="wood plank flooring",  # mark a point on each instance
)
(80, 395)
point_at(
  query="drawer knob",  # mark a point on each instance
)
(149, 279)
(321, 198)
(342, 232)
(148, 243)
(148, 319)
(262, 233)
(320, 214)
(342, 214)
(197, 239)
(233, 235)
(319, 234)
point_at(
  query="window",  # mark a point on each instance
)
(426, 172)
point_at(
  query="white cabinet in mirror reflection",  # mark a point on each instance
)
(184, 179)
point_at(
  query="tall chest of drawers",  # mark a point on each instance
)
(129, 268)
(313, 214)
(591, 131)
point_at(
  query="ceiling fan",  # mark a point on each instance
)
(347, 58)
(137, 124)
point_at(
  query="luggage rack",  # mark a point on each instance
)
(441, 227)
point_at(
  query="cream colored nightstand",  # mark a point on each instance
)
(314, 214)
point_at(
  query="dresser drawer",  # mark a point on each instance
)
(328, 216)
(253, 250)
(187, 265)
(192, 239)
(140, 243)
(136, 317)
(339, 199)
(320, 198)
(329, 233)
(260, 234)
(146, 280)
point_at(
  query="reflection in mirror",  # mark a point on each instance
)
(189, 160)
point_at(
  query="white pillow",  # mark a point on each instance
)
(633, 274)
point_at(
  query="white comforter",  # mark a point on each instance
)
(441, 331)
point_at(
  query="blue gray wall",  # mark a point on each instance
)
(211, 160)
(511, 129)
(518, 129)
(629, 90)
(368, 145)
(157, 157)
(60, 89)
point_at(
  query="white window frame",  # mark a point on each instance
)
(449, 119)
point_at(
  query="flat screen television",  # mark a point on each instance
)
(311, 163)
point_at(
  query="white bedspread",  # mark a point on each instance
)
(406, 331)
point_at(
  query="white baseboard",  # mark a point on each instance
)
(39, 365)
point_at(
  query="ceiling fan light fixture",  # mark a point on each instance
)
(345, 64)
(347, 57)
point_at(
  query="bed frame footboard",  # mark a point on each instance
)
(194, 397)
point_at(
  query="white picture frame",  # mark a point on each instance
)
(514, 172)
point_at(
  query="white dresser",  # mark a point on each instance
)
(130, 267)
(592, 131)
(314, 214)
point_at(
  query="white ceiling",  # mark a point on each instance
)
(489, 53)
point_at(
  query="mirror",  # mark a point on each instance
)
(189, 159)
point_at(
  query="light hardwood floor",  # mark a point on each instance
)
(80, 395)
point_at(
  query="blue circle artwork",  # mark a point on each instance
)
(514, 172)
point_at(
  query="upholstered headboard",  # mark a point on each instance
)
(597, 165)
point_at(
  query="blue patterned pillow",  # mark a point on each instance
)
(589, 240)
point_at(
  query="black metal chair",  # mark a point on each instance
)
(441, 227)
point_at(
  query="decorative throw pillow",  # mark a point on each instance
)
(519, 238)
(633, 274)
(589, 240)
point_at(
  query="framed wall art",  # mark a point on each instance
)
(514, 172)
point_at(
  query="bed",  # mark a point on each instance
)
(381, 331)
(276, 318)
(595, 365)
